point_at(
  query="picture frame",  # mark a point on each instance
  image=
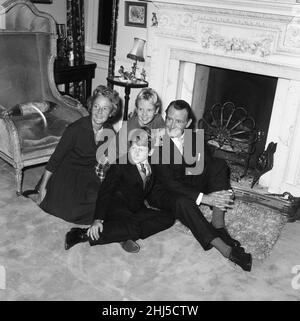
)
(42, 1)
(135, 14)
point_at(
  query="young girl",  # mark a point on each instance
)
(147, 112)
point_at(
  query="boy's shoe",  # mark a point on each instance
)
(130, 246)
(76, 235)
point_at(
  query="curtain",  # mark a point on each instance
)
(75, 29)
(113, 41)
(76, 42)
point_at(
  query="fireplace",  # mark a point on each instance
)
(194, 37)
(252, 92)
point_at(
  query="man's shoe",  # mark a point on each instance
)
(244, 260)
(74, 236)
(224, 235)
(130, 246)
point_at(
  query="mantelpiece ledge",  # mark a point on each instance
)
(288, 7)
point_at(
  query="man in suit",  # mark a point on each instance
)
(122, 214)
(182, 193)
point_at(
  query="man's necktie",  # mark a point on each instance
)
(143, 169)
(143, 172)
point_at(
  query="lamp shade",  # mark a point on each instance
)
(137, 51)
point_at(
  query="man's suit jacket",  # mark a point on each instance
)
(122, 189)
(172, 176)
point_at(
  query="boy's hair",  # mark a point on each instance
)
(141, 137)
(151, 95)
(104, 91)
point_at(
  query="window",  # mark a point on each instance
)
(104, 22)
(98, 26)
(98, 20)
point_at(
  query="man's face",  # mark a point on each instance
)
(176, 121)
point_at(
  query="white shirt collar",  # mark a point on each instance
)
(179, 141)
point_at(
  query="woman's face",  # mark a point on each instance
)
(145, 112)
(101, 110)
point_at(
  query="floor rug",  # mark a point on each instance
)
(256, 227)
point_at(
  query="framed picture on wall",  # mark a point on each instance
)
(42, 1)
(135, 14)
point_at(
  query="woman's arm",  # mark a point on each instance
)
(64, 145)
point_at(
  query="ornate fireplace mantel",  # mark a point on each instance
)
(261, 37)
(236, 28)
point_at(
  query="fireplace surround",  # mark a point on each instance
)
(260, 37)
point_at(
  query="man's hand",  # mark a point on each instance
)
(221, 199)
(95, 228)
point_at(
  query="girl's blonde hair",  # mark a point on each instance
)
(151, 95)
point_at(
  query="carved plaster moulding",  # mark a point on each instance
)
(261, 44)
(176, 25)
(181, 22)
(227, 15)
(292, 37)
(180, 18)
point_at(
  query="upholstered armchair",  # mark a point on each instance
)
(33, 114)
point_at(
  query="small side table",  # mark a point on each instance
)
(128, 84)
(66, 74)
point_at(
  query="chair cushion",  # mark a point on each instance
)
(33, 107)
(29, 108)
(34, 133)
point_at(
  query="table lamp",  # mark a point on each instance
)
(136, 54)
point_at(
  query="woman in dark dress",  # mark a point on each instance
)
(69, 185)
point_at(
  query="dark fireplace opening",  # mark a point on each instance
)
(255, 93)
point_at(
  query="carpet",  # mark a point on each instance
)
(256, 227)
(170, 266)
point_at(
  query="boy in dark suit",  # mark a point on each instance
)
(122, 213)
